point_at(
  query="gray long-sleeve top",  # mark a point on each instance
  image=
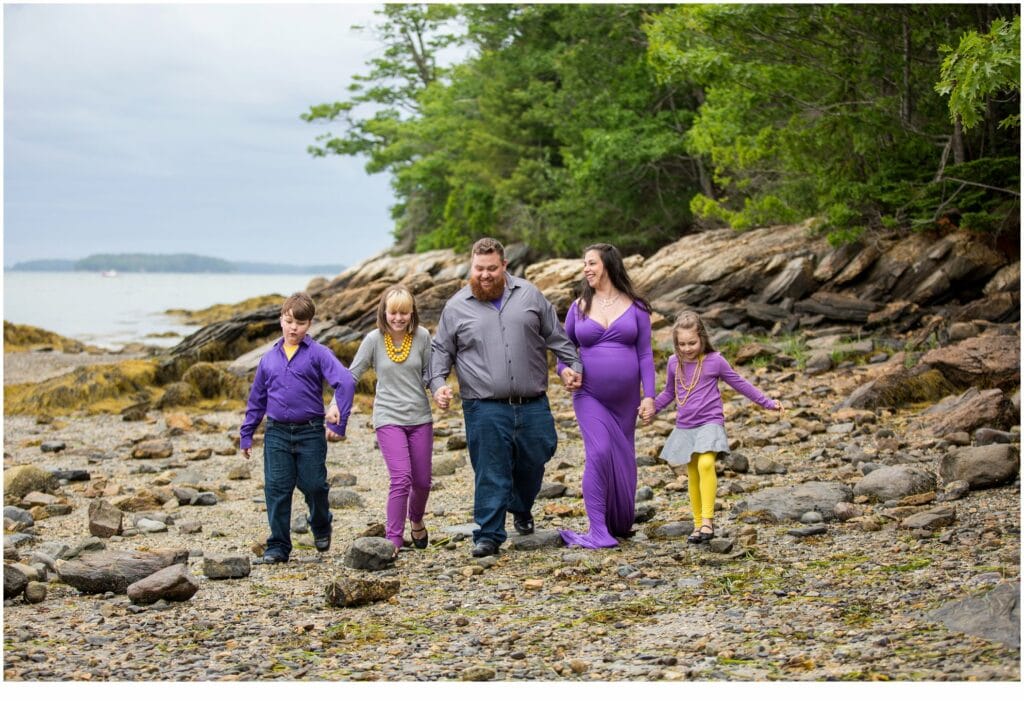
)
(499, 353)
(400, 398)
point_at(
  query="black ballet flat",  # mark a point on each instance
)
(694, 538)
(707, 535)
(423, 542)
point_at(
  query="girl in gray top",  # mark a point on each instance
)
(399, 351)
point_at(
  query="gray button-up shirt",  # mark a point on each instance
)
(499, 354)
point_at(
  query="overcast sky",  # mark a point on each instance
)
(175, 129)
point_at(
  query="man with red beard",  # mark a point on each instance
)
(496, 332)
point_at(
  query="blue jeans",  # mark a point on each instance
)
(295, 455)
(508, 447)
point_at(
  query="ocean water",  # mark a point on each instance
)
(129, 307)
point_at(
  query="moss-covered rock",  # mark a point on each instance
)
(178, 394)
(222, 312)
(92, 388)
(207, 378)
(21, 480)
(20, 338)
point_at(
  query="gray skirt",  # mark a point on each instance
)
(682, 443)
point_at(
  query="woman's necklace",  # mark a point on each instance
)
(398, 355)
(607, 302)
(683, 390)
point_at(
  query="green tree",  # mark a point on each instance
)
(817, 110)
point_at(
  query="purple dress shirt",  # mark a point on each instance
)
(704, 405)
(291, 391)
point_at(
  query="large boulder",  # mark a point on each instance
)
(172, 583)
(790, 503)
(21, 480)
(110, 570)
(895, 482)
(349, 591)
(370, 553)
(899, 387)
(971, 410)
(994, 615)
(980, 361)
(981, 466)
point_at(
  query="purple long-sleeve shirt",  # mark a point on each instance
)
(291, 391)
(704, 405)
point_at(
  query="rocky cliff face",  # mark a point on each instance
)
(767, 282)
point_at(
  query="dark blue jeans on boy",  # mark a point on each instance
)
(294, 455)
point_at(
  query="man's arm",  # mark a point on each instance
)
(554, 335)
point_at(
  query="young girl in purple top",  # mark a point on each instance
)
(693, 374)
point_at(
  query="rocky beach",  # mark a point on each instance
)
(870, 533)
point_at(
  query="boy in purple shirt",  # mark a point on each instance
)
(288, 388)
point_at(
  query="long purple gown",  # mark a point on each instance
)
(617, 363)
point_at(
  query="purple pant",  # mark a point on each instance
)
(407, 452)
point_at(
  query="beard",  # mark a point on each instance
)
(495, 293)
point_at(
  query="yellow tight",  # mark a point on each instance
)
(702, 486)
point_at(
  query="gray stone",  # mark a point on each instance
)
(994, 615)
(188, 477)
(536, 540)
(300, 524)
(113, 571)
(676, 529)
(341, 479)
(988, 436)
(808, 531)
(868, 467)
(91, 544)
(15, 581)
(148, 525)
(70, 475)
(204, 499)
(763, 465)
(105, 519)
(844, 511)
(184, 495)
(981, 466)
(644, 513)
(35, 592)
(721, 545)
(841, 429)
(644, 494)
(930, 520)
(812, 517)
(818, 362)
(19, 515)
(551, 490)
(226, 566)
(445, 465)
(370, 554)
(239, 472)
(350, 591)
(789, 503)
(895, 482)
(737, 462)
(339, 498)
(189, 527)
(172, 583)
(951, 491)
(52, 446)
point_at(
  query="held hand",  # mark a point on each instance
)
(443, 397)
(646, 410)
(333, 437)
(571, 379)
(333, 415)
(779, 408)
(246, 452)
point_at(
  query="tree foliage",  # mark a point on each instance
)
(568, 124)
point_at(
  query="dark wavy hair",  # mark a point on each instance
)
(617, 275)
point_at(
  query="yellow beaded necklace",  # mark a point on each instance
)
(682, 397)
(398, 355)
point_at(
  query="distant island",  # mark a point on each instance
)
(168, 263)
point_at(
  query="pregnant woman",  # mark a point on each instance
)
(611, 326)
